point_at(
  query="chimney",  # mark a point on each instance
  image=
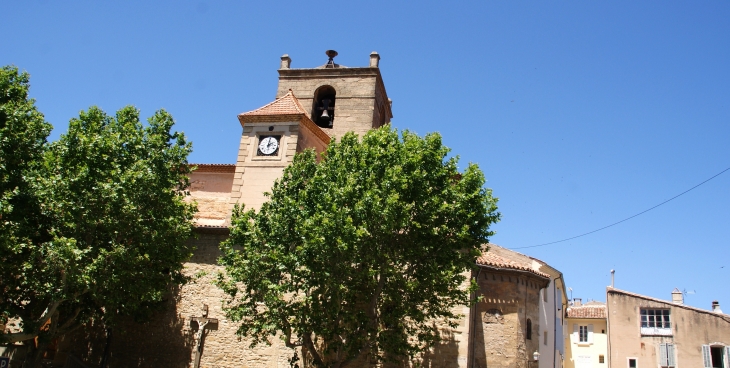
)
(612, 273)
(577, 302)
(716, 307)
(285, 61)
(677, 297)
(374, 59)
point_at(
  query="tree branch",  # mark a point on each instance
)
(287, 333)
(71, 320)
(312, 350)
(45, 317)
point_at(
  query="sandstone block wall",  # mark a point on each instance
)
(168, 339)
(507, 301)
(211, 191)
(361, 101)
(491, 334)
(255, 175)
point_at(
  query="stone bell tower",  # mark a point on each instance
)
(312, 105)
(354, 98)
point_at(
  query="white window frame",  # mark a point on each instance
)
(707, 355)
(588, 331)
(583, 334)
(649, 324)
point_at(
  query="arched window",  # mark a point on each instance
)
(528, 333)
(323, 106)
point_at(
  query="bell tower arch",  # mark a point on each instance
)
(323, 106)
(356, 95)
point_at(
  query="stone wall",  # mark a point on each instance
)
(211, 191)
(168, 339)
(360, 103)
(507, 300)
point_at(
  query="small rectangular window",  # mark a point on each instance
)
(583, 334)
(601, 359)
(544, 337)
(632, 362)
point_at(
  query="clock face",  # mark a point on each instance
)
(269, 145)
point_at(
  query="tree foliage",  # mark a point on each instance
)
(103, 222)
(360, 255)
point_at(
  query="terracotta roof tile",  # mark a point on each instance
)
(285, 105)
(589, 310)
(285, 108)
(491, 259)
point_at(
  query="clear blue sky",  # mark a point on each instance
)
(580, 113)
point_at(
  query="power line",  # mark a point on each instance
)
(628, 218)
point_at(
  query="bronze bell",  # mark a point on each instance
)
(325, 116)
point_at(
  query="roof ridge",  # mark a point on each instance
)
(491, 259)
(288, 97)
(721, 315)
(296, 101)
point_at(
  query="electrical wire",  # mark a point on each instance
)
(626, 219)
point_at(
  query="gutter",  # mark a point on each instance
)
(514, 270)
(555, 325)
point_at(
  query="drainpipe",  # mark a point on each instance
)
(555, 323)
(472, 327)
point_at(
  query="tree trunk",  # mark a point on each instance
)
(34, 356)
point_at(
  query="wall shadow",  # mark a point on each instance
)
(164, 341)
(445, 354)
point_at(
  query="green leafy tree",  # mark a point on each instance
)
(112, 220)
(359, 256)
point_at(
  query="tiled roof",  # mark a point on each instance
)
(219, 168)
(588, 310)
(286, 105)
(285, 108)
(491, 259)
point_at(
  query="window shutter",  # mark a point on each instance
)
(670, 355)
(706, 356)
(576, 337)
(727, 356)
(590, 334)
(559, 334)
(663, 355)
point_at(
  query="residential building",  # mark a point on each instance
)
(587, 345)
(646, 332)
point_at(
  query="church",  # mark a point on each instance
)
(517, 321)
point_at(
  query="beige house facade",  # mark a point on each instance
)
(646, 332)
(586, 346)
